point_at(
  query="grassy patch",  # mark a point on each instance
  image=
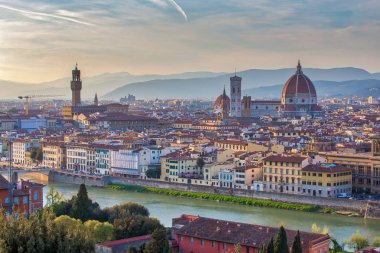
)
(221, 198)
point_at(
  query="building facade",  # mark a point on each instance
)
(326, 180)
(283, 173)
(206, 235)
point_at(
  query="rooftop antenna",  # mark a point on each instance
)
(235, 71)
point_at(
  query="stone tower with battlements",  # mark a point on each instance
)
(76, 87)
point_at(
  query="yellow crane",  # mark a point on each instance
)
(28, 97)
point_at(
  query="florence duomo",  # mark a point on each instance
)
(298, 99)
(151, 144)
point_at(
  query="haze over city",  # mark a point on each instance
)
(42, 40)
(174, 126)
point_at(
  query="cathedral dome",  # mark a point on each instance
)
(222, 101)
(298, 85)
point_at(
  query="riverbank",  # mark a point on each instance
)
(359, 208)
(222, 198)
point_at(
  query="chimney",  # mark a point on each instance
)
(267, 230)
(14, 177)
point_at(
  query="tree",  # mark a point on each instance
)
(132, 250)
(166, 247)
(336, 246)
(142, 248)
(125, 211)
(81, 208)
(153, 173)
(357, 241)
(42, 232)
(200, 163)
(157, 243)
(237, 248)
(297, 244)
(135, 226)
(376, 241)
(317, 230)
(53, 197)
(100, 231)
(36, 154)
(263, 249)
(270, 248)
(281, 243)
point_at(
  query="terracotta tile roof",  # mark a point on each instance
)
(280, 158)
(125, 241)
(325, 168)
(4, 184)
(243, 233)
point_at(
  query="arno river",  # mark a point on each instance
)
(165, 208)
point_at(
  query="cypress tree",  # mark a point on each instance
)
(270, 248)
(281, 244)
(263, 249)
(297, 245)
(82, 205)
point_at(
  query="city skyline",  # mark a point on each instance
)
(134, 36)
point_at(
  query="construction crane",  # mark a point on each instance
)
(28, 97)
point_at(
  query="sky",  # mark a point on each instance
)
(42, 40)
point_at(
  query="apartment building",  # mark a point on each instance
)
(283, 173)
(326, 180)
(54, 155)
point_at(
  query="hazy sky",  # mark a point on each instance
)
(42, 40)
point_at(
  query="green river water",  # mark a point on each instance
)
(165, 208)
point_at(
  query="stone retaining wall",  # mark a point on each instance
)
(340, 204)
(69, 178)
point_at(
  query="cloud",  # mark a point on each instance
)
(161, 3)
(43, 16)
(178, 8)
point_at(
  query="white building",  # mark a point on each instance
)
(80, 158)
(20, 147)
(125, 162)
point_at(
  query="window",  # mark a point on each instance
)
(15, 200)
(35, 195)
(25, 200)
(224, 246)
(202, 242)
(191, 240)
(7, 200)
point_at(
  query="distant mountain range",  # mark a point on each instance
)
(256, 82)
(100, 84)
(267, 82)
(361, 88)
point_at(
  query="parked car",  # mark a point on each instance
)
(344, 195)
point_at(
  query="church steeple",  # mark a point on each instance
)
(96, 101)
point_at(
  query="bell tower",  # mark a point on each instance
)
(76, 86)
(235, 96)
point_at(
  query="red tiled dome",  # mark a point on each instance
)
(222, 99)
(298, 83)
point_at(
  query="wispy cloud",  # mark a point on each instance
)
(178, 8)
(164, 3)
(39, 15)
(161, 3)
